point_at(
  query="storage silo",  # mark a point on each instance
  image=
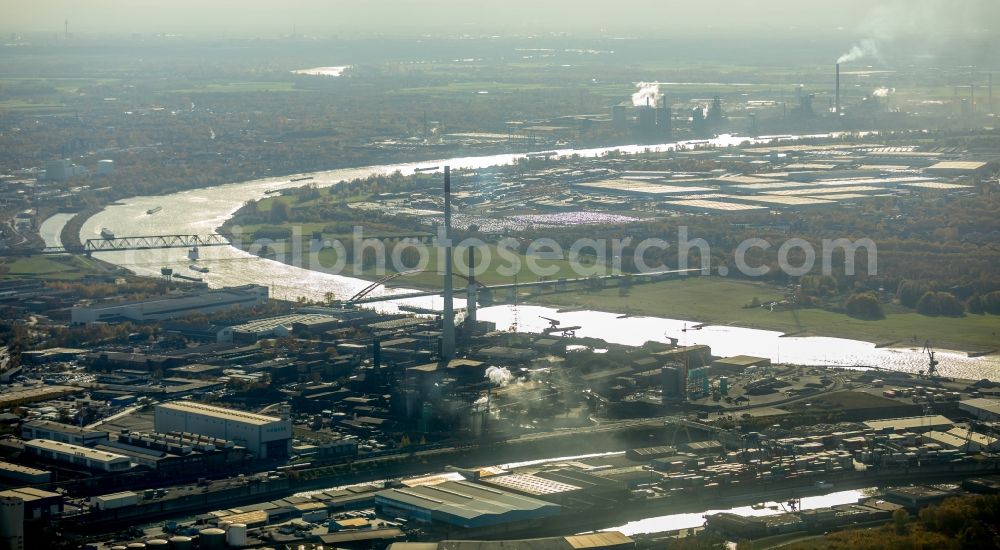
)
(105, 167)
(212, 539)
(11, 521)
(236, 536)
(181, 543)
(157, 544)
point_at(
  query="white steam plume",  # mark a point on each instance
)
(883, 92)
(925, 27)
(647, 94)
(867, 47)
(499, 376)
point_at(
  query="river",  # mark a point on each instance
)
(51, 229)
(674, 522)
(201, 211)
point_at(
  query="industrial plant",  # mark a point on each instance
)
(431, 277)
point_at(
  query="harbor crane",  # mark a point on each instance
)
(932, 362)
(553, 323)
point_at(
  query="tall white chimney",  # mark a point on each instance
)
(471, 293)
(448, 326)
(837, 105)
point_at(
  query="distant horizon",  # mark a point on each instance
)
(262, 18)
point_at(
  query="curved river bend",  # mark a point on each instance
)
(201, 211)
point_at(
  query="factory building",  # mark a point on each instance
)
(264, 436)
(534, 486)
(172, 306)
(911, 424)
(23, 474)
(85, 457)
(464, 505)
(33, 395)
(176, 453)
(963, 440)
(618, 116)
(646, 119)
(279, 326)
(64, 433)
(982, 408)
(38, 504)
(63, 169)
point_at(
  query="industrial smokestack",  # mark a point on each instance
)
(663, 119)
(471, 294)
(448, 328)
(836, 108)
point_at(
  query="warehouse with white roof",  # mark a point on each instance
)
(463, 504)
(981, 408)
(84, 457)
(265, 436)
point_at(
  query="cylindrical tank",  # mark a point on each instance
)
(119, 547)
(212, 539)
(158, 544)
(236, 536)
(136, 546)
(181, 543)
(105, 167)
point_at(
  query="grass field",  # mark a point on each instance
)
(63, 268)
(715, 300)
(22, 106)
(496, 274)
(238, 87)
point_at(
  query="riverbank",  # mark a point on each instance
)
(701, 300)
(719, 301)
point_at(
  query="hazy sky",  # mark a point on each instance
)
(268, 18)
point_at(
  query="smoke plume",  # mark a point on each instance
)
(929, 28)
(867, 47)
(647, 94)
(883, 92)
(499, 376)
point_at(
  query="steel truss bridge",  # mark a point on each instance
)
(150, 242)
